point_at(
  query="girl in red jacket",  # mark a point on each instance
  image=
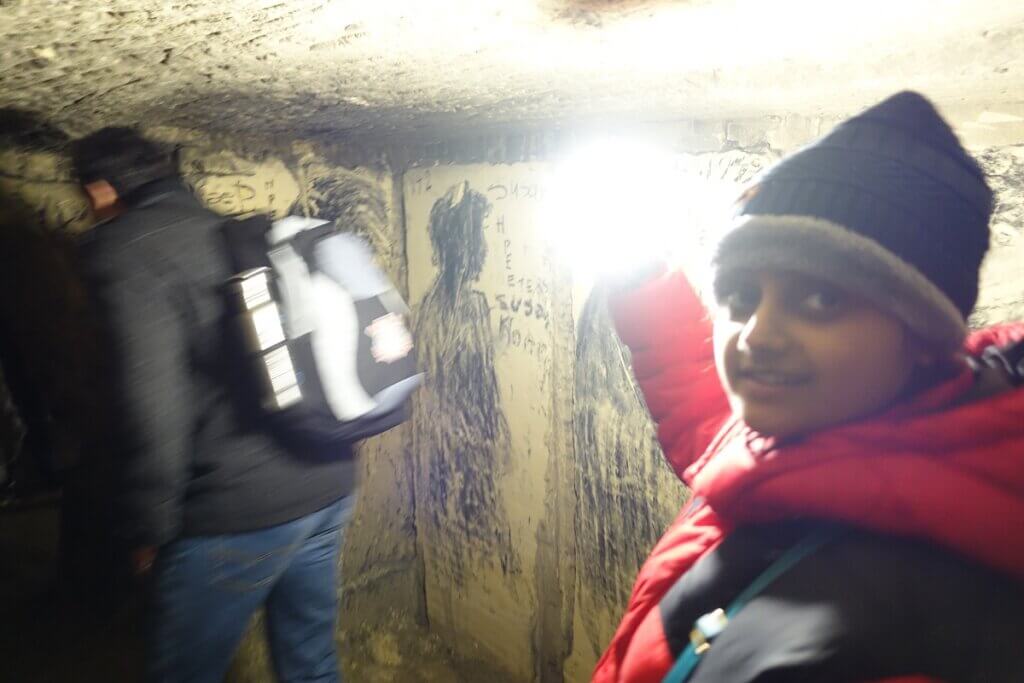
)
(832, 389)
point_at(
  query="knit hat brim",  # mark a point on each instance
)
(823, 249)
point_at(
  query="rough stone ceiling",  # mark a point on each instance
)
(301, 67)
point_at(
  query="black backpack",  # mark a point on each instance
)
(323, 328)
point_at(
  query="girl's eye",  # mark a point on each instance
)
(739, 299)
(823, 302)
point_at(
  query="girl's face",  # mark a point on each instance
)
(796, 354)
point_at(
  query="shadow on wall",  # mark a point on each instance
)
(46, 344)
(26, 129)
(461, 432)
(51, 353)
(59, 622)
(37, 297)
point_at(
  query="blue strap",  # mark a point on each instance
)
(710, 628)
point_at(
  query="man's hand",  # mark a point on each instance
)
(143, 559)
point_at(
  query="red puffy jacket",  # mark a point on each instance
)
(935, 467)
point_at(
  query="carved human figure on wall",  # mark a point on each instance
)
(461, 434)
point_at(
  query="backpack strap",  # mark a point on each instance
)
(707, 627)
(304, 243)
(1010, 359)
(245, 242)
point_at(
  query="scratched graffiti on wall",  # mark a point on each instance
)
(42, 180)
(34, 173)
(355, 201)
(236, 186)
(627, 494)
(461, 431)
(484, 432)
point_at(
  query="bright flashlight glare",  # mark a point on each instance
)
(614, 206)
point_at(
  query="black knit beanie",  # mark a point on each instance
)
(888, 205)
(123, 158)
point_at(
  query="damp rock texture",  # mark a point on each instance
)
(309, 67)
(1002, 289)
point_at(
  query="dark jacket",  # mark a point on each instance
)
(191, 461)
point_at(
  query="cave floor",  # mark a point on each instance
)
(51, 633)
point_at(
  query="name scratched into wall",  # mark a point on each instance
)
(523, 303)
(517, 277)
(234, 186)
(235, 197)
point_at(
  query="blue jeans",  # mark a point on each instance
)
(208, 587)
